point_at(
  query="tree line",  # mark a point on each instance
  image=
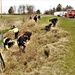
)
(30, 9)
(23, 9)
(58, 8)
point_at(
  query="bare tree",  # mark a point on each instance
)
(14, 8)
(21, 9)
(30, 9)
(68, 7)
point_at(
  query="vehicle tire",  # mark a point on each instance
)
(58, 15)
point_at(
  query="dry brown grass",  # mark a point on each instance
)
(34, 61)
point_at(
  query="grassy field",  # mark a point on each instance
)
(67, 24)
(60, 41)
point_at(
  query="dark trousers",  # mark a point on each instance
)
(16, 35)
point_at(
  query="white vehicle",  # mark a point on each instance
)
(60, 13)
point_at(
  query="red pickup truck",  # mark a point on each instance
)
(70, 13)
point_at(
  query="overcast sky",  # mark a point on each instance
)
(39, 4)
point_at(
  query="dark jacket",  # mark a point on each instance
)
(35, 18)
(54, 20)
(6, 40)
(21, 41)
(39, 17)
(47, 28)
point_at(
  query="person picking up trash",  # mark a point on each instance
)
(23, 41)
(7, 43)
(16, 31)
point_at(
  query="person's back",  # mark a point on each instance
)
(7, 42)
(54, 21)
(39, 17)
(35, 18)
(21, 40)
(47, 28)
(16, 31)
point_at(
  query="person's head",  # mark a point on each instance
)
(25, 35)
(13, 26)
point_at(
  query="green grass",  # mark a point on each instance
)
(3, 31)
(11, 17)
(67, 24)
(1, 41)
(45, 19)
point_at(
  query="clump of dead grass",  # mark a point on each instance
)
(34, 61)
